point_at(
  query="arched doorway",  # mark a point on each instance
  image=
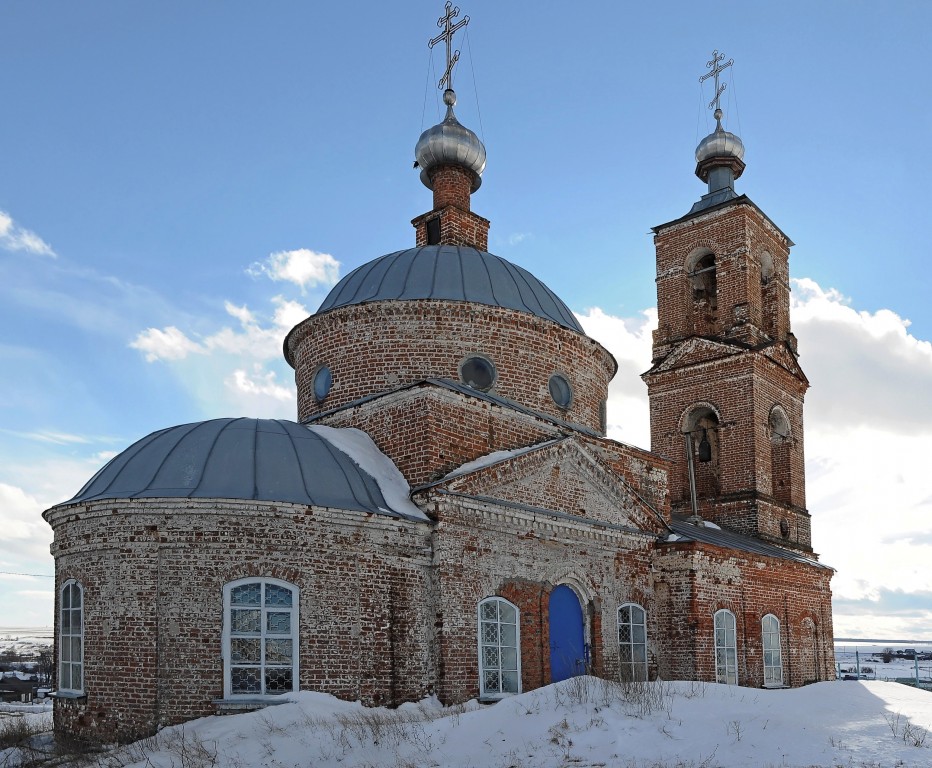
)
(567, 641)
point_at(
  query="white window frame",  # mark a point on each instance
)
(263, 636)
(631, 668)
(488, 693)
(68, 667)
(726, 647)
(772, 653)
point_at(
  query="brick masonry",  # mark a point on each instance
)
(378, 347)
(735, 355)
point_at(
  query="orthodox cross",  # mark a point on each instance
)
(445, 23)
(716, 70)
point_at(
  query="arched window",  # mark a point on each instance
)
(702, 423)
(499, 649)
(632, 642)
(781, 444)
(701, 271)
(71, 638)
(260, 637)
(773, 659)
(726, 648)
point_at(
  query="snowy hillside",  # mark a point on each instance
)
(24, 641)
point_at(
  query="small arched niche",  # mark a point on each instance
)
(779, 426)
(766, 268)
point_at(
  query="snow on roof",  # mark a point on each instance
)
(361, 449)
(493, 458)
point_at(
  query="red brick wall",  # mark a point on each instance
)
(452, 185)
(428, 431)
(694, 581)
(153, 573)
(377, 347)
(751, 487)
(746, 309)
(484, 549)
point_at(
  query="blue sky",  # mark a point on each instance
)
(181, 182)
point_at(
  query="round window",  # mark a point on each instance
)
(477, 372)
(560, 391)
(323, 381)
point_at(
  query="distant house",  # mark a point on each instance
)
(15, 685)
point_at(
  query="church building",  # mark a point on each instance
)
(446, 515)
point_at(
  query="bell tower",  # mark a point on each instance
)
(725, 387)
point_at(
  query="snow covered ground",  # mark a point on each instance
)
(582, 722)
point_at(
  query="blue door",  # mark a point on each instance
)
(567, 646)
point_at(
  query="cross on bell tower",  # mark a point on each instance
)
(716, 69)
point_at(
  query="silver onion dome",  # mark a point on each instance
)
(450, 143)
(720, 143)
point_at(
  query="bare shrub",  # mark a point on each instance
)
(20, 737)
(735, 727)
(914, 735)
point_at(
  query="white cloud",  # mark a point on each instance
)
(167, 344)
(237, 370)
(866, 368)
(260, 382)
(302, 266)
(46, 436)
(868, 432)
(15, 238)
(629, 340)
(24, 530)
(516, 238)
(257, 337)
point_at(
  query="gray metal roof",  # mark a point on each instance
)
(255, 459)
(453, 273)
(730, 540)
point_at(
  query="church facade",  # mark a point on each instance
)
(447, 516)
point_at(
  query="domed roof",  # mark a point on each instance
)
(720, 143)
(256, 459)
(453, 273)
(450, 143)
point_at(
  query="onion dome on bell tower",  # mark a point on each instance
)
(720, 155)
(451, 159)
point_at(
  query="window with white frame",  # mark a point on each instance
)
(499, 649)
(773, 659)
(726, 648)
(260, 637)
(632, 642)
(71, 638)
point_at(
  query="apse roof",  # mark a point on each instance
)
(453, 273)
(253, 459)
(708, 534)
